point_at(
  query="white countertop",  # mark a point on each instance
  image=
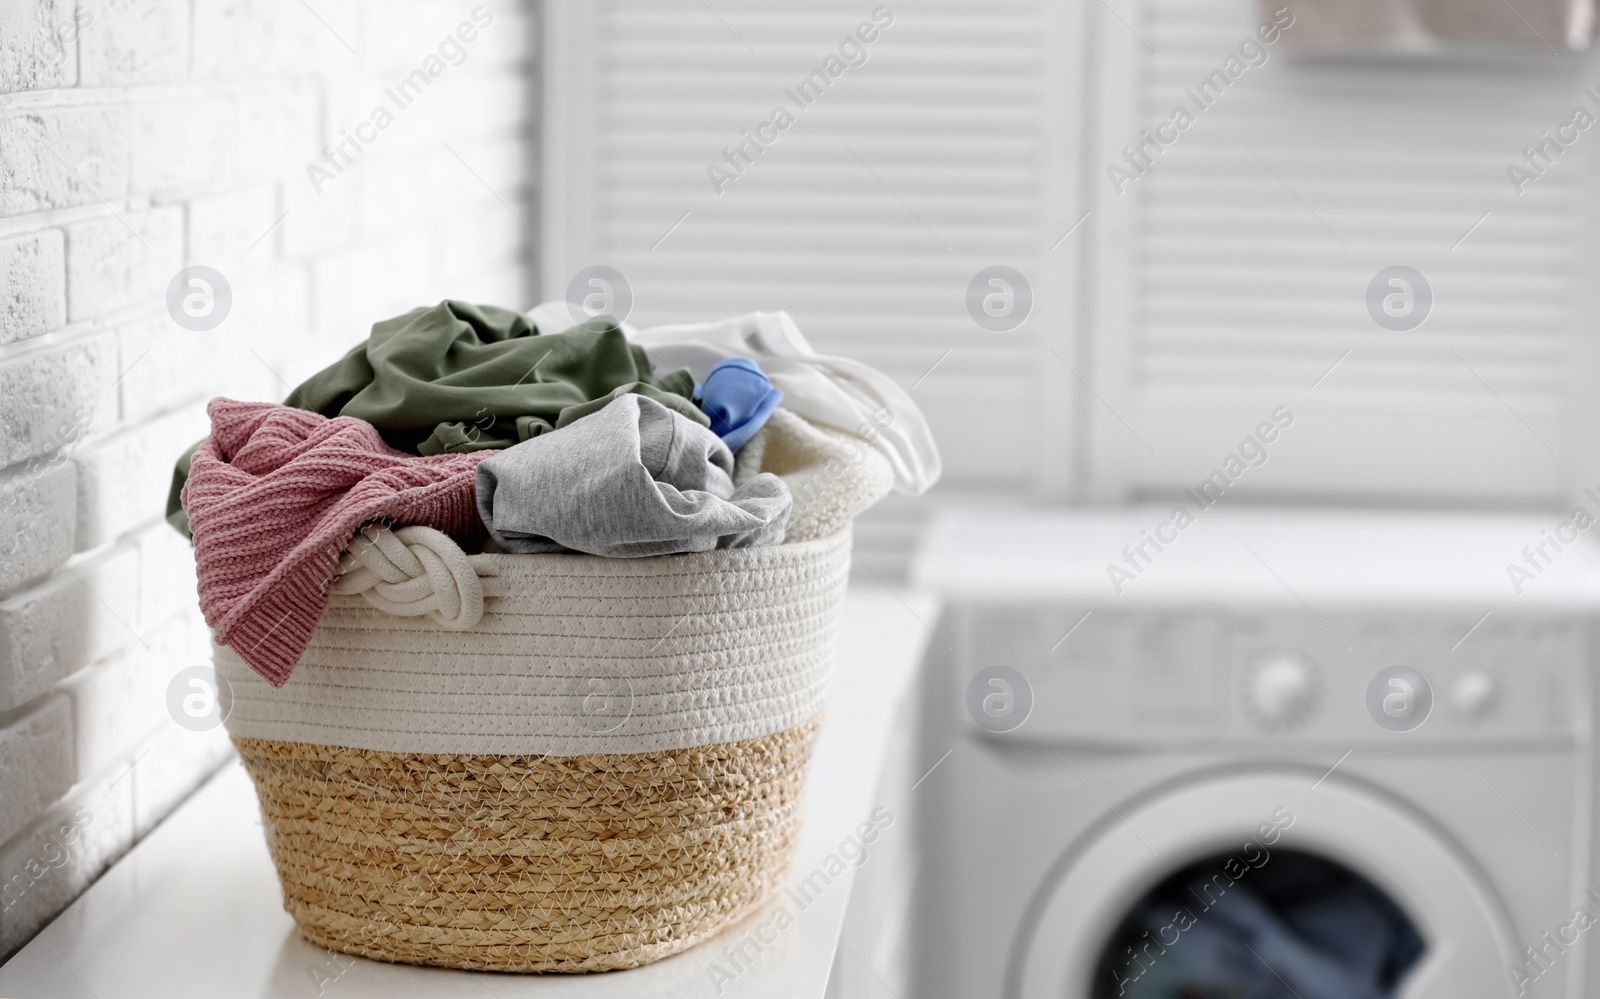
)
(195, 910)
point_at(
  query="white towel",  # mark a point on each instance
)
(1423, 25)
(832, 477)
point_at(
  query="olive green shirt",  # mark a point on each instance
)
(461, 377)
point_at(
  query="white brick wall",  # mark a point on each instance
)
(138, 137)
(33, 285)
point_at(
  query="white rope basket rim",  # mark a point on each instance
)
(424, 649)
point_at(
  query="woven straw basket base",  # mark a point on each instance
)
(527, 863)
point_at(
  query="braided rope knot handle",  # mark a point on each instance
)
(412, 572)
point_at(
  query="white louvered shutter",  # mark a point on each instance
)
(866, 219)
(1217, 288)
(1234, 273)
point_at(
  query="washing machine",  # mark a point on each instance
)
(1257, 754)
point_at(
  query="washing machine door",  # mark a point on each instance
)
(1467, 937)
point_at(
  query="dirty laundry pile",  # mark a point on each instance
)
(529, 434)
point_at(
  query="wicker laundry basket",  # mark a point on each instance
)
(555, 763)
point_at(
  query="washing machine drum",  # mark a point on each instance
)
(1263, 887)
(1260, 923)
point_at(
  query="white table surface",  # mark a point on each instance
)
(195, 910)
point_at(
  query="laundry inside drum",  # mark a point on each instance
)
(1297, 926)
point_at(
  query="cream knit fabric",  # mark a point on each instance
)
(832, 476)
(574, 654)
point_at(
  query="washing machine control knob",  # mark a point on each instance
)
(1282, 691)
(1474, 693)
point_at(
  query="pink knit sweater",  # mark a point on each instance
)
(275, 494)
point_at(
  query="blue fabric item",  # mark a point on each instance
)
(738, 398)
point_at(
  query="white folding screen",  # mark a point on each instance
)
(1169, 318)
(1234, 273)
(866, 218)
